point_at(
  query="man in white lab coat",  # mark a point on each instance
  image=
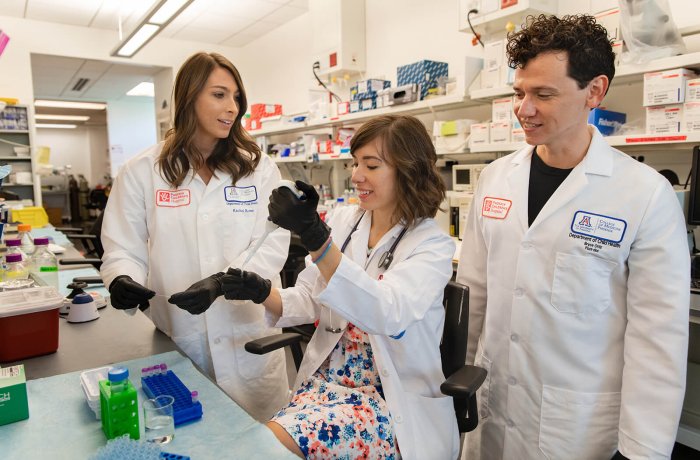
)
(578, 267)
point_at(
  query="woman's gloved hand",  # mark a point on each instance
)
(242, 285)
(199, 297)
(125, 294)
(299, 216)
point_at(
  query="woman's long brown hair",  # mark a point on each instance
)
(237, 154)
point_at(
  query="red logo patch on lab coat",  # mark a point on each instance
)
(172, 198)
(495, 208)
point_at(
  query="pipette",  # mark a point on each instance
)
(269, 225)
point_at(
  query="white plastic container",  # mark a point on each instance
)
(90, 383)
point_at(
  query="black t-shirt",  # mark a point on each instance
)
(544, 180)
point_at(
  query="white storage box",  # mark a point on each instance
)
(666, 87)
(500, 132)
(502, 109)
(90, 383)
(691, 117)
(479, 134)
(664, 119)
(692, 90)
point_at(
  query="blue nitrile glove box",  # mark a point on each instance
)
(607, 121)
(424, 73)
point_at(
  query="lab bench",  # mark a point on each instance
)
(61, 424)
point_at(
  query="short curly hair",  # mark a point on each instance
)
(586, 42)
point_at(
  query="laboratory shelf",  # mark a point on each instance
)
(15, 158)
(440, 103)
(14, 131)
(624, 74)
(505, 147)
(671, 140)
(491, 93)
(653, 139)
(321, 157)
(497, 20)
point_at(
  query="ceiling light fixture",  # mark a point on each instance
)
(55, 125)
(61, 117)
(155, 20)
(145, 88)
(70, 104)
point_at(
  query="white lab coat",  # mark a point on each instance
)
(584, 341)
(170, 241)
(407, 298)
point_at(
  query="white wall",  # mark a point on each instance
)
(99, 156)
(277, 67)
(69, 147)
(131, 127)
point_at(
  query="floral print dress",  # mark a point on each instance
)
(340, 411)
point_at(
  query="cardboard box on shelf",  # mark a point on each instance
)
(607, 121)
(691, 117)
(502, 109)
(664, 119)
(666, 87)
(500, 132)
(258, 111)
(692, 90)
(479, 134)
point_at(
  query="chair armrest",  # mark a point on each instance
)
(81, 236)
(96, 263)
(88, 279)
(80, 261)
(69, 229)
(273, 342)
(464, 382)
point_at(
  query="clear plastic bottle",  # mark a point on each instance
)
(14, 246)
(26, 238)
(15, 268)
(44, 264)
(118, 377)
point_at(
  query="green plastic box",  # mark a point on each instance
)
(13, 395)
(119, 411)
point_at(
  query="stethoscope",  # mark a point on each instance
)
(384, 262)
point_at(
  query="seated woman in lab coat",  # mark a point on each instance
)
(369, 382)
(183, 211)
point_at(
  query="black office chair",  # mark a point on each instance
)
(90, 241)
(463, 380)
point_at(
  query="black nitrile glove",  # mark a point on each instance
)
(125, 294)
(241, 285)
(199, 297)
(299, 215)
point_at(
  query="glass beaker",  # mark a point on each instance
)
(159, 421)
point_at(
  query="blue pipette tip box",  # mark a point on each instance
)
(184, 410)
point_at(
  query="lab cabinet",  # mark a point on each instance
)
(16, 150)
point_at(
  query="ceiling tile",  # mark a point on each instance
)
(239, 40)
(284, 14)
(72, 12)
(14, 8)
(299, 4)
(254, 9)
(259, 28)
(202, 35)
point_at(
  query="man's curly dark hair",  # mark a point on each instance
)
(586, 42)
